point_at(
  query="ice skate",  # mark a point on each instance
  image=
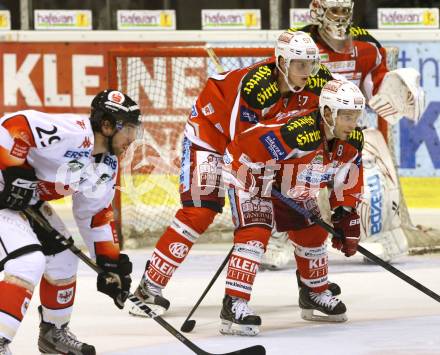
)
(4, 348)
(331, 308)
(237, 318)
(151, 295)
(332, 286)
(53, 340)
(279, 253)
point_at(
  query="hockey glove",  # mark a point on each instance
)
(115, 281)
(19, 187)
(347, 224)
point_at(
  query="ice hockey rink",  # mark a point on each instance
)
(386, 315)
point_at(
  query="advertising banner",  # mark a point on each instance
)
(299, 17)
(64, 77)
(63, 19)
(407, 18)
(146, 19)
(249, 19)
(5, 20)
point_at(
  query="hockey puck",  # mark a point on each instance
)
(188, 326)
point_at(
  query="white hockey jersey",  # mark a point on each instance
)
(59, 148)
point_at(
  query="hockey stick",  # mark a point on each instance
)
(289, 202)
(189, 324)
(35, 215)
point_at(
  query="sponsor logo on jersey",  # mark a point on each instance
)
(179, 250)
(317, 82)
(86, 143)
(258, 90)
(227, 158)
(81, 124)
(75, 165)
(273, 145)
(65, 296)
(111, 162)
(247, 115)
(256, 210)
(306, 138)
(20, 148)
(78, 154)
(208, 109)
(375, 188)
(194, 112)
(341, 66)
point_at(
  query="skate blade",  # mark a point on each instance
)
(309, 315)
(135, 311)
(230, 328)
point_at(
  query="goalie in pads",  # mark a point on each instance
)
(352, 52)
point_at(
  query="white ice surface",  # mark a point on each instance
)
(386, 315)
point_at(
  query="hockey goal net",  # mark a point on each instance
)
(165, 81)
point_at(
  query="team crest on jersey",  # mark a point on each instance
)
(25, 306)
(116, 96)
(247, 115)
(259, 88)
(65, 296)
(273, 146)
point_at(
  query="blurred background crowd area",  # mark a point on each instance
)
(188, 11)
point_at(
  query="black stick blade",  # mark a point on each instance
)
(188, 326)
(253, 350)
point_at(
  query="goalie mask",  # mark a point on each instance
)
(334, 18)
(344, 100)
(300, 57)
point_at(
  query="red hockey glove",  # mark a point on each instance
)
(347, 224)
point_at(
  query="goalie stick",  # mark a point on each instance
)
(34, 215)
(289, 202)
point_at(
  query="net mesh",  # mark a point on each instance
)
(165, 83)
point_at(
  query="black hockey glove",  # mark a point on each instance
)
(19, 187)
(115, 281)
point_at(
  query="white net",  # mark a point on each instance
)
(165, 82)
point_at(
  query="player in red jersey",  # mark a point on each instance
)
(312, 150)
(230, 103)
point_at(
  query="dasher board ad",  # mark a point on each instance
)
(300, 17)
(146, 19)
(415, 18)
(249, 19)
(63, 20)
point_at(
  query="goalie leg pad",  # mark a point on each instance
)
(175, 244)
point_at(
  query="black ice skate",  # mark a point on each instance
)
(332, 286)
(237, 318)
(4, 348)
(53, 340)
(332, 309)
(151, 295)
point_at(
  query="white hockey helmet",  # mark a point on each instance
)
(341, 95)
(334, 18)
(300, 47)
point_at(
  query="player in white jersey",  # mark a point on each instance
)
(45, 157)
